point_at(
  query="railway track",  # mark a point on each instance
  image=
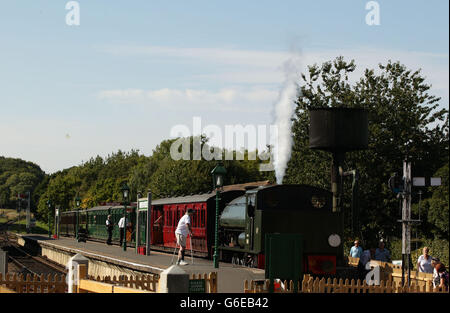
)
(23, 261)
(29, 264)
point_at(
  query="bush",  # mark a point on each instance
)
(439, 248)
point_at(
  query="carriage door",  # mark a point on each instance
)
(250, 220)
(157, 223)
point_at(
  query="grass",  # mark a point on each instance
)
(20, 226)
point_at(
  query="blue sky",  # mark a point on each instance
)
(134, 69)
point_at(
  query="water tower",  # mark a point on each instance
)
(338, 130)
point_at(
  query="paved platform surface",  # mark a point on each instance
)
(230, 277)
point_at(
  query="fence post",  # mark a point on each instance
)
(174, 280)
(73, 274)
(3, 262)
(213, 282)
(81, 274)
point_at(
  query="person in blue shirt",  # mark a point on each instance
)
(382, 254)
(356, 251)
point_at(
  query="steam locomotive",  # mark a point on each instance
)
(246, 216)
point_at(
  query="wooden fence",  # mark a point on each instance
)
(143, 282)
(88, 284)
(136, 284)
(92, 286)
(389, 271)
(353, 261)
(6, 290)
(210, 281)
(33, 284)
(311, 285)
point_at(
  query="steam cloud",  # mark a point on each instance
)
(284, 110)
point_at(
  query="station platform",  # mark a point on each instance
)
(230, 277)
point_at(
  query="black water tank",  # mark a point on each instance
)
(338, 129)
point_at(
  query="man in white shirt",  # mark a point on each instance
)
(181, 233)
(121, 225)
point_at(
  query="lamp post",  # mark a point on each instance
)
(125, 193)
(49, 204)
(28, 212)
(77, 204)
(138, 237)
(217, 173)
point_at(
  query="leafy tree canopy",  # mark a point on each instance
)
(404, 121)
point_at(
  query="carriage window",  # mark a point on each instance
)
(317, 201)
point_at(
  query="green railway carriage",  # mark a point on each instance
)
(96, 222)
(93, 220)
(69, 220)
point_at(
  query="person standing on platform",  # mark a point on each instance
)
(356, 251)
(181, 233)
(109, 228)
(424, 262)
(382, 254)
(122, 228)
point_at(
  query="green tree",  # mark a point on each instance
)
(404, 121)
(178, 177)
(435, 210)
(17, 176)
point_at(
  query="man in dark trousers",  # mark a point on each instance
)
(109, 228)
(123, 224)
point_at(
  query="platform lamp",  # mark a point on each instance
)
(218, 174)
(49, 204)
(125, 193)
(138, 239)
(77, 204)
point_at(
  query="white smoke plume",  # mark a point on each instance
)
(284, 110)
